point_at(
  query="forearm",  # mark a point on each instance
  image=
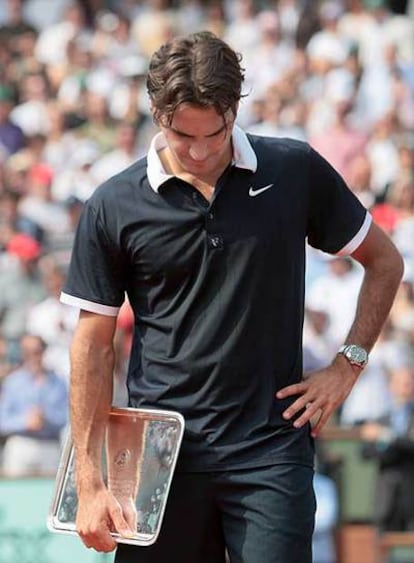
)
(90, 403)
(376, 296)
(324, 390)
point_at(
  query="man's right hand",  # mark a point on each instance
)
(99, 514)
(35, 420)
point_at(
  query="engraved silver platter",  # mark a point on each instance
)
(139, 458)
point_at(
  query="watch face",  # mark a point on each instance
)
(357, 355)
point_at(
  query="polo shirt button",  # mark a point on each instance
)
(210, 216)
(215, 241)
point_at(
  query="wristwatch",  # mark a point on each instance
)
(355, 355)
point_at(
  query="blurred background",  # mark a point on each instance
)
(338, 74)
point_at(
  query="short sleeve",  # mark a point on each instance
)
(96, 275)
(336, 215)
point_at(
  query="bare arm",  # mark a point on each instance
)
(383, 272)
(92, 362)
(324, 390)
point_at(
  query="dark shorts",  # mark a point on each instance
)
(263, 515)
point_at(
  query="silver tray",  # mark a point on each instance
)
(139, 458)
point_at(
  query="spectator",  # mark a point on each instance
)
(98, 126)
(53, 39)
(33, 411)
(112, 41)
(316, 338)
(383, 155)
(154, 25)
(11, 135)
(215, 18)
(72, 86)
(328, 46)
(274, 122)
(370, 397)
(402, 312)
(359, 26)
(63, 247)
(15, 26)
(25, 61)
(341, 142)
(267, 62)
(20, 285)
(60, 143)
(123, 155)
(43, 13)
(333, 292)
(8, 360)
(390, 440)
(242, 32)
(52, 320)
(129, 99)
(76, 180)
(38, 204)
(31, 113)
(11, 218)
(360, 172)
(396, 209)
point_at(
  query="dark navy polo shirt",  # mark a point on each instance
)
(217, 290)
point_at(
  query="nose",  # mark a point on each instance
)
(198, 151)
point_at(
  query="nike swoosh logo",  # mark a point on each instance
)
(254, 193)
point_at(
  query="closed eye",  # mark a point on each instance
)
(186, 136)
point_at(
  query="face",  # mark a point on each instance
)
(199, 140)
(32, 351)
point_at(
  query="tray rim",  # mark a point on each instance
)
(55, 526)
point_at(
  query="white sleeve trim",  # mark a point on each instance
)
(90, 306)
(358, 238)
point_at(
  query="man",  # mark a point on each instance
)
(33, 412)
(390, 440)
(207, 237)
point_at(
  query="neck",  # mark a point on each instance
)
(38, 373)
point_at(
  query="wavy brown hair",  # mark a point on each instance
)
(198, 69)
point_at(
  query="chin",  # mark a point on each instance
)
(195, 167)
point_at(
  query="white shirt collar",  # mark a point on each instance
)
(243, 157)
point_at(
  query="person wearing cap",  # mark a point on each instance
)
(24, 247)
(20, 285)
(206, 236)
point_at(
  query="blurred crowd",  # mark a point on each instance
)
(338, 74)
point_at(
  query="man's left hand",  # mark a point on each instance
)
(320, 393)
